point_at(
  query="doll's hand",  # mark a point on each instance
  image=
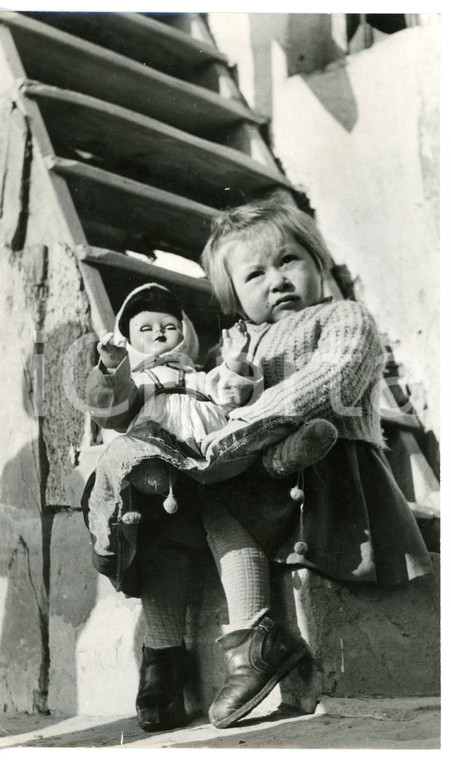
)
(235, 345)
(236, 340)
(111, 353)
(209, 446)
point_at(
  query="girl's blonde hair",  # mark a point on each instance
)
(260, 221)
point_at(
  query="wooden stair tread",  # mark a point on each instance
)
(76, 64)
(138, 37)
(162, 155)
(106, 257)
(163, 220)
(195, 293)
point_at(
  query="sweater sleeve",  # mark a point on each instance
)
(347, 358)
(113, 397)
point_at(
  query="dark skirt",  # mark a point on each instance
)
(354, 525)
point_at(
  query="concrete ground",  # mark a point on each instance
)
(400, 723)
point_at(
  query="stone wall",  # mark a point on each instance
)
(41, 433)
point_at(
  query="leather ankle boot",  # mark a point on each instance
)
(257, 659)
(159, 703)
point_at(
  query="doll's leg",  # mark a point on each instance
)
(259, 652)
(165, 580)
(165, 585)
(306, 446)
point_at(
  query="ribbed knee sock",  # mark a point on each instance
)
(165, 583)
(242, 565)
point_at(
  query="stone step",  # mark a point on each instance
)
(412, 723)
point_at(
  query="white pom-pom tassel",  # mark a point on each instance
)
(170, 502)
(301, 547)
(297, 494)
(131, 518)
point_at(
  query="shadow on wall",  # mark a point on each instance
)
(308, 47)
(334, 91)
(68, 640)
(27, 533)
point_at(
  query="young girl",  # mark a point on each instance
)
(319, 359)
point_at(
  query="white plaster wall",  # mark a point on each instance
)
(370, 169)
(361, 138)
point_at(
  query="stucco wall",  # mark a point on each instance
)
(361, 136)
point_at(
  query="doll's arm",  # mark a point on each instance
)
(348, 357)
(113, 396)
(236, 381)
(230, 389)
(235, 345)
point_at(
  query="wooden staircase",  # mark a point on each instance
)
(148, 130)
(145, 134)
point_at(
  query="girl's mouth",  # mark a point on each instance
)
(286, 300)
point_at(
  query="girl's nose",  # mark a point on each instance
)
(277, 279)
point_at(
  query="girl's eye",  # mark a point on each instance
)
(253, 275)
(170, 327)
(287, 258)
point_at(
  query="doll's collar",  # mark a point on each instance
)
(173, 359)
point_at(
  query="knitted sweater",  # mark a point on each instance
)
(324, 361)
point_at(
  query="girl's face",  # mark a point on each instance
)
(153, 332)
(273, 281)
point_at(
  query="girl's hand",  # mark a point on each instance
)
(111, 354)
(209, 446)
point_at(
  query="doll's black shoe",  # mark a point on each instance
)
(257, 659)
(159, 703)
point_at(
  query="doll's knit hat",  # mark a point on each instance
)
(155, 297)
(149, 299)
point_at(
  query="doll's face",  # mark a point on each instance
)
(153, 332)
(273, 281)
